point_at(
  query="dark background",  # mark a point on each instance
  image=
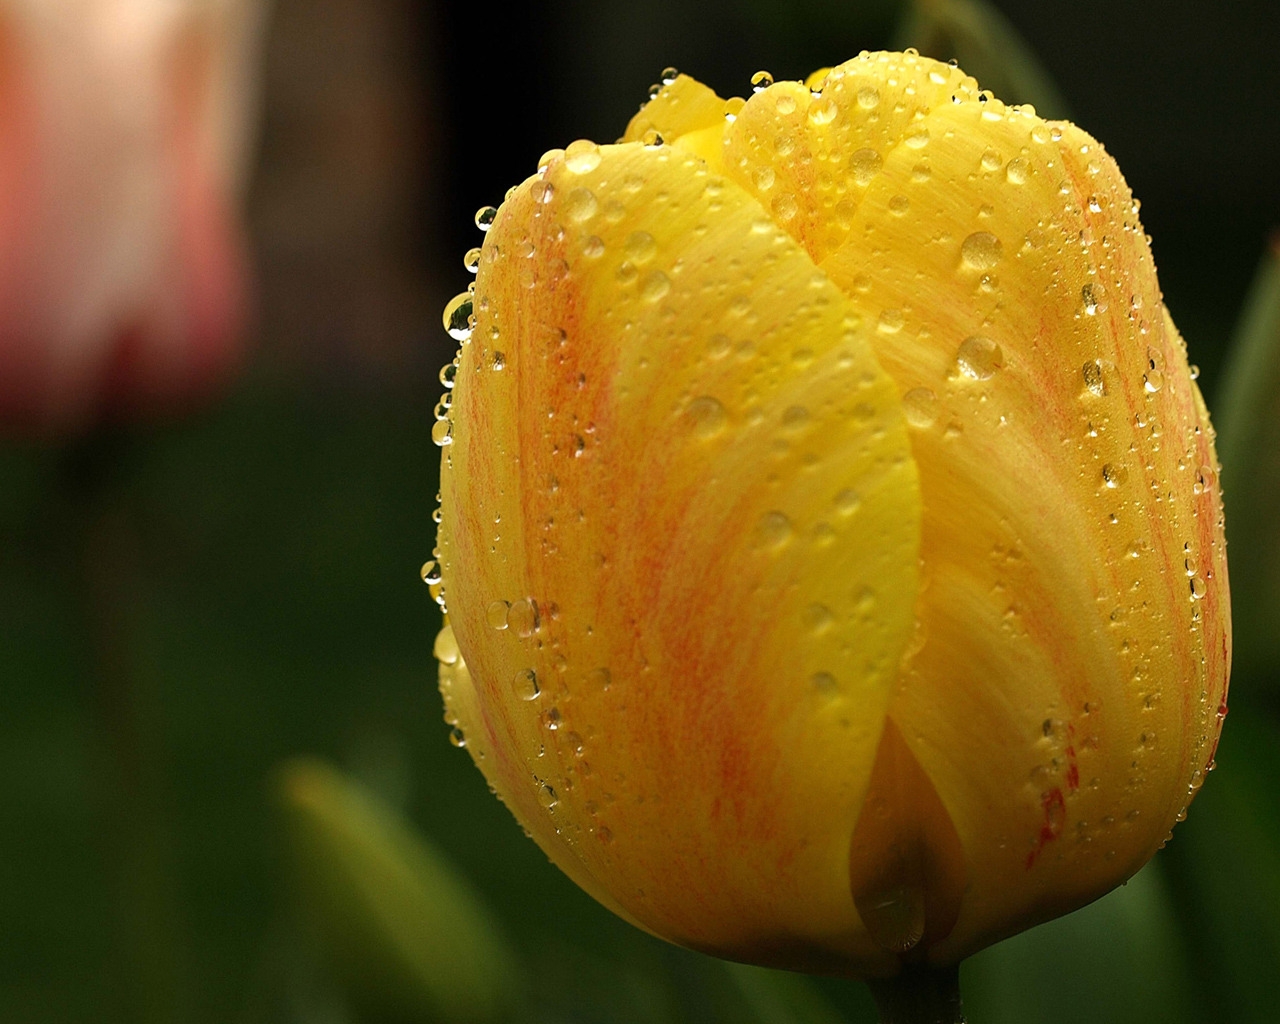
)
(249, 576)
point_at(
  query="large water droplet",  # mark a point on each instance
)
(895, 917)
(580, 205)
(773, 530)
(525, 684)
(865, 164)
(1093, 379)
(981, 250)
(581, 157)
(760, 81)
(707, 416)
(446, 647)
(1094, 296)
(979, 357)
(920, 406)
(458, 317)
(496, 614)
(523, 617)
(485, 217)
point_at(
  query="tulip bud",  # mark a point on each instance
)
(122, 135)
(830, 528)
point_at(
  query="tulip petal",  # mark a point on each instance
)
(680, 546)
(1068, 688)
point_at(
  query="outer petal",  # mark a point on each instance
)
(1069, 690)
(679, 507)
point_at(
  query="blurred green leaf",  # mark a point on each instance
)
(987, 46)
(1118, 961)
(1247, 414)
(405, 933)
(1226, 862)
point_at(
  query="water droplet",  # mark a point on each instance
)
(785, 206)
(1114, 474)
(981, 250)
(457, 738)
(868, 97)
(523, 617)
(640, 247)
(818, 618)
(848, 501)
(765, 177)
(823, 682)
(593, 247)
(581, 157)
(496, 614)
(580, 205)
(760, 81)
(430, 573)
(706, 415)
(1094, 296)
(773, 530)
(471, 261)
(459, 316)
(891, 321)
(1093, 379)
(823, 111)
(895, 917)
(1198, 588)
(899, 205)
(668, 76)
(547, 797)
(920, 406)
(991, 160)
(446, 647)
(525, 684)
(651, 139)
(600, 678)
(917, 138)
(1153, 380)
(442, 432)
(979, 357)
(485, 216)
(499, 361)
(655, 286)
(1017, 170)
(865, 165)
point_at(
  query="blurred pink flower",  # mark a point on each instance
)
(123, 134)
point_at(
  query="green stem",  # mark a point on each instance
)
(149, 938)
(919, 994)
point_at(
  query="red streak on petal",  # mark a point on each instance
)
(1055, 816)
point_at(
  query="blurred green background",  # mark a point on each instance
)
(185, 608)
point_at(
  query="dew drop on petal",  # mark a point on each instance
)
(706, 415)
(1093, 379)
(865, 164)
(981, 250)
(581, 157)
(920, 406)
(979, 357)
(1094, 297)
(457, 317)
(525, 684)
(496, 614)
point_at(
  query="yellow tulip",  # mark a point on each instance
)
(830, 531)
